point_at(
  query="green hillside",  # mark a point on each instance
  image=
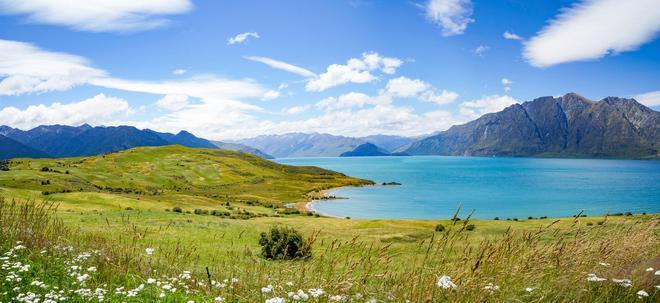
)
(164, 177)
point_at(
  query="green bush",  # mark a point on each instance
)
(177, 210)
(590, 223)
(439, 227)
(470, 227)
(284, 243)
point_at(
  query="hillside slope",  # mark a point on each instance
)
(303, 144)
(173, 172)
(570, 126)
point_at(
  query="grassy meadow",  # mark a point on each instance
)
(174, 224)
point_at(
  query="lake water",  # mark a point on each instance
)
(433, 187)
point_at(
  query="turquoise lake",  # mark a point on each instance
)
(433, 187)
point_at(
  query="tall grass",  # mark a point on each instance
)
(550, 264)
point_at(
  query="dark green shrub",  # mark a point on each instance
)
(177, 210)
(470, 227)
(628, 213)
(530, 218)
(284, 243)
(496, 218)
(439, 228)
(600, 222)
(590, 223)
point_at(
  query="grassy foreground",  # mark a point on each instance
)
(103, 244)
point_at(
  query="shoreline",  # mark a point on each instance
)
(308, 206)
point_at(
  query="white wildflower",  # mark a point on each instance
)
(316, 292)
(650, 269)
(491, 287)
(151, 281)
(289, 283)
(218, 300)
(336, 298)
(149, 251)
(529, 289)
(276, 300)
(91, 269)
(622, 282)
(657, 272)
(266, 290)
(642, 293)
(604, 264)
(594, 278)
(446, 283)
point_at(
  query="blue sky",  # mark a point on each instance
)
(353, 67)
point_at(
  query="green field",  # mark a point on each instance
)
(116, 206)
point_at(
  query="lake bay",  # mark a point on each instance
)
(433, 187)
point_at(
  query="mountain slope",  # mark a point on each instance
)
(49, 139)
(302, 144)
(184, 138)
(101, 140)
(566, 126)
(10, 148)
(241, 148)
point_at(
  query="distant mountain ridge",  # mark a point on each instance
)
(319, 145)
(567, 126)
(69, 141)
(369, 150)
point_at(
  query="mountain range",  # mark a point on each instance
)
(320, 145)
(56, 141)
(567, 126)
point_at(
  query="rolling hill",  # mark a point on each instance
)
(567, 126)
(169, 174)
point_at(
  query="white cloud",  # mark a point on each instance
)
(296, 110)
(271, 95)
(25, 68)
(488, 104)
(179, 71)
(511, 36)
(356, 70)
(173, 102)
(592, 29)
(506, 83)
(97, 15)
(649, 99)
(281, 65)
(240, 38)
(350, 100)
(453, 16)
(481, 50)
(96, 110)
(444, 97)
(403, 87)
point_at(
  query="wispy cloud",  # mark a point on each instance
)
(25, 68)
(98, 15)
(487, 104)
(453, 16)
(481, 50)
(592, 29)
(506, 83)
(511, 36)
(243, 37)
(403, 87)
(649, 99)
(281, 65)
(179, 71)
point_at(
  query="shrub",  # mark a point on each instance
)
(629, 213)
(530, 218)
(177, 210)
(470, 227)
(600, 222)
(496, 218)
(284, 243)
(439, 227)
(590, 223)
